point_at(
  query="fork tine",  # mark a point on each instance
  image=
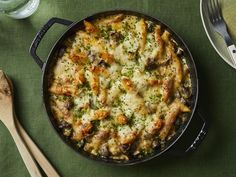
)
(219, 9)
(214, 14)
(209, 10)
(216, 9)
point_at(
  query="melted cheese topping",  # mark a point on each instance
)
(119, 87)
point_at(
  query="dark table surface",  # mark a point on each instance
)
(215, 157)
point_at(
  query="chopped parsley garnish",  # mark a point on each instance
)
(78, 113)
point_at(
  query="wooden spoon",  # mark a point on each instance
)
(7, 117)
(37, 154)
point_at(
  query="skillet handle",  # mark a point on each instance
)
(201, 135)
(196, 142)
(39, 37)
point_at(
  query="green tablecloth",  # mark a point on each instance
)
(215, 157)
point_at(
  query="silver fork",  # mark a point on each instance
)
(217, 20)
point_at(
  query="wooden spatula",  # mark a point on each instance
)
(7, 117)
(6, 92)
(37, 154)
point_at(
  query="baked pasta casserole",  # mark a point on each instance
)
(120, 87)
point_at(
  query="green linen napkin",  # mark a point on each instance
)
(215, 157)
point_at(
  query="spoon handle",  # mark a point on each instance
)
(38, 155)
(24, 152)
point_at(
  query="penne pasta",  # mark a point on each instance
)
(118, 88)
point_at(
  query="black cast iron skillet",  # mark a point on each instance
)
(50, 61)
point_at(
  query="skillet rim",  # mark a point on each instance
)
(74, 27)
